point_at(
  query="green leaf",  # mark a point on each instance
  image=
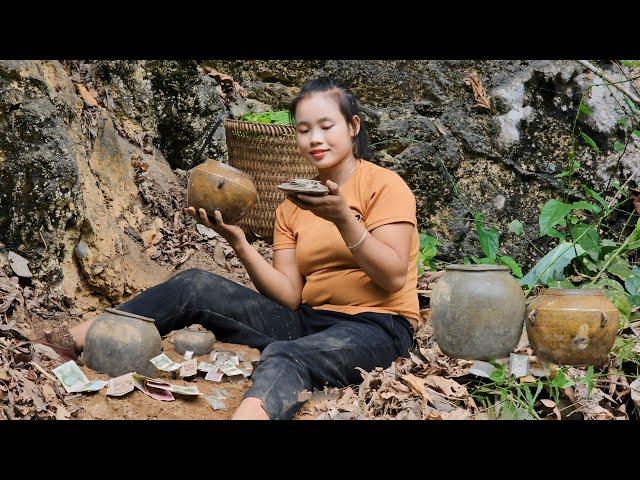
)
(428, 244)
(515, 226)
(561, 381)
(585, 110)
(499, 374)
(607, 242)
(595, 196)
(587, 237)
(466, 261)
(631, 104)
(589, 141)
(588, 380)
(488, 237)
(556, 234)
(281, 117)
(553, 212)
(560, 284)
(636, 133)
(575, 166)
(622, 302)
(591, 266)
(618, 146)
(552, 265)
(620, 268)
(605, 284)
(582, 205)
(483, 261)
(616, 293)
(635, 235)
(632, 283)
(427, 252)
(512, 264)
(624, 122)
(619, 188)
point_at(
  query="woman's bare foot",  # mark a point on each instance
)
(250, 409)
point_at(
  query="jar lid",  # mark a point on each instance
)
(477, 268)
(582, 292)
(127, 314)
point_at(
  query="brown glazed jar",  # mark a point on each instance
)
(215, 185)
(477, 312)
(572, 326)
(120, 342)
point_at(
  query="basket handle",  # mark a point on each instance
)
(214, 126)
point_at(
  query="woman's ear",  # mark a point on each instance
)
(354, 127)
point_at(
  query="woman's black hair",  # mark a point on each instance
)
(349, 106)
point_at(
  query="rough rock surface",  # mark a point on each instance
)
(92, 153)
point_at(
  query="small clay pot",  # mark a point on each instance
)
(477, 312)
(199, 342)
(572, 326)
(215, 185)
(119, 342)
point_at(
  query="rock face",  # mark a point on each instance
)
(83, 144)
(66, 179)
(423, 124)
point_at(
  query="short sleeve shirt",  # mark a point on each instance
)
(333, 281)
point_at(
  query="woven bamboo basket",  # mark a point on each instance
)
(270, 155)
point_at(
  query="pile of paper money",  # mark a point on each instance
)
(153, 387)
(226, 362)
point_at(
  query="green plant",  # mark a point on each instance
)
(583, 258)
(428, 251)
(517, 400)
(281, 117)
(559, 381)
(490, 244)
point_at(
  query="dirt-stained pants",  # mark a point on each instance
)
(301, 349)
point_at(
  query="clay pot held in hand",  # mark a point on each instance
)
(215, 185)
(199, 341)
(477, 312)
(119, 342)
(572, 326)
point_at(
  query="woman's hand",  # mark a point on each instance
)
(332, 207)
(233, 235)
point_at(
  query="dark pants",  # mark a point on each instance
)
(301, 349)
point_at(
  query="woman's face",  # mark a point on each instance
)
(323, 136)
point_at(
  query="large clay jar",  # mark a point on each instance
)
(119, 342)
(572, 326)
(198, 341)
(477, 312)
(215, 185)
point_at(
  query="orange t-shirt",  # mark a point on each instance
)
(376, 196)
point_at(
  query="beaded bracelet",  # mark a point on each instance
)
(358, 242)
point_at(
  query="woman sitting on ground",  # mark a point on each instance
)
(341, 292)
